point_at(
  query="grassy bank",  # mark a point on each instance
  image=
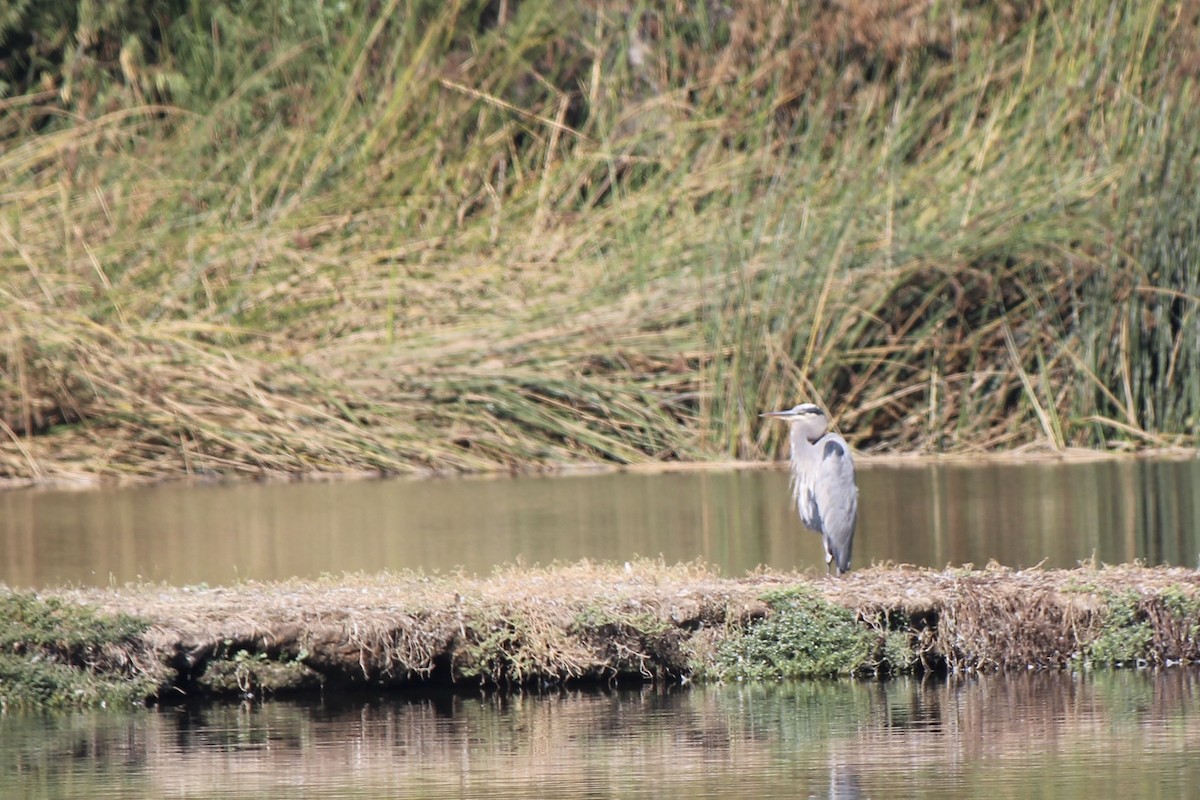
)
(410, 236)
(56, 654)
(584, 622)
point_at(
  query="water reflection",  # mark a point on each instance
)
(1020, 515)
(930, 515)
(1107, 734)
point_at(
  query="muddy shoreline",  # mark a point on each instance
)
(1026, 455)
(583, 623)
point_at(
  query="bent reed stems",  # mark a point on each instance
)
(475, 236)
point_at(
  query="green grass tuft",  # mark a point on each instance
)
(1148, 629)
(29, 623)
(804, 636)
(1126, 634)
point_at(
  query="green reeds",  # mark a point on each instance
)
(472, 236)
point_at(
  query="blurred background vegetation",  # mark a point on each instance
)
(253, 237)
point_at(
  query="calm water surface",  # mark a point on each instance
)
(1116, 734)
(1129, 734)
(934, 515)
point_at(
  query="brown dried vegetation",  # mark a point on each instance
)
(413, 237)
(641, 621)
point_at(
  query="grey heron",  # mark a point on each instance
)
(823, 483)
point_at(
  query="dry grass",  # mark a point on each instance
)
(448, 237)
(642, 621)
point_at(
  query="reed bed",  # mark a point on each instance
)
(411, 236)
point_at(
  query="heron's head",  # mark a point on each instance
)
(810, 418)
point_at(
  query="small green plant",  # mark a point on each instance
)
(803, 636)
(248, 673)
(494, 651)
(898, 654)
(1126, 634)
(1182, 604)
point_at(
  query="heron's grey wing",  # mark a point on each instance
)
(836, 495)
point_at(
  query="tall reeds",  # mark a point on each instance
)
(425, 236)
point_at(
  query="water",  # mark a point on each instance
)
(1128, 734)
(1034, 734)
(934, 514)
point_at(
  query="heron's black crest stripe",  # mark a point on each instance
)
(832, 449)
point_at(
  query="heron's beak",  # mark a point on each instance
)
(784, 414)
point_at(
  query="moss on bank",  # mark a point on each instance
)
(59, 654)
(585, 622)
(802, 636)
(1141, 629)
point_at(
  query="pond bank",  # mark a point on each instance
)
(642, 621)
(1034, 454)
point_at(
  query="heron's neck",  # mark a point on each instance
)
(802, 438)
